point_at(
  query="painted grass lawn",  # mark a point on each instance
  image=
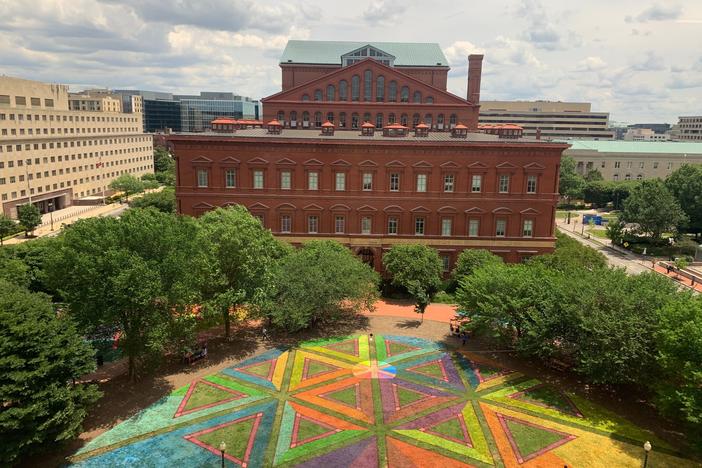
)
(385, 401)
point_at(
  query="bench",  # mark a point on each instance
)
(194, 356)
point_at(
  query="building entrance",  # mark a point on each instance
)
(367, 256)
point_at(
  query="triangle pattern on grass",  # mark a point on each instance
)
(529, 440)
(263, 370)
(548, 397)
(349, 396)
(405, 396)
(394, 348)
(239, 435)
(487, 372)
(306, 430)
(349, 347)
(204, 394)
(402, 398)
(310, 369)
(433, 369)
(454, 428)
(314, 368)
(402, 454)
(359, 454)
(352, 397)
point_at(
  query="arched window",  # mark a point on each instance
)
(355, 88)
(343, 90)
(391, 118)
(293, 117)
(317, 119)
(453, 119)
(330, 117)
(281, 116)
(342, 120)
(379, 120)
(331, 92)
(380, 88)
(404, 94)
(354, 120)
(417, 97)
(366, 117)
(403, 119)
(367, 85)
(440, 120)
(317, 94)
(428, 119)
(415, 120)
(430, 100)
(392, 91)
(305, 119)
(305, 97)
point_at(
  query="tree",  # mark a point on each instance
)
(42, 355)
(29, 217)
(594, 175)
(570, 183)
(163, 201)
(686, 186)
(654, 209)
(33, 256)
(599, 193)
(135, 273)
(7, 227)
(319, 282)
(615, 231)
(470, 260)
(13, 270)
(241, 255)
(416, 268)
(128, 184)
(571, 254)
(164, 166)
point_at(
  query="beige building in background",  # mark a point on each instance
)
(633, 160)
(53, 156)
(689, 128)
(555, 119)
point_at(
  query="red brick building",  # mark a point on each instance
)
(448, 186)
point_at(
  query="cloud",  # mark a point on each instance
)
(650, 62)
(657, 12)
(381, 12)
(507, 51)
(592, 63)
(542, 31)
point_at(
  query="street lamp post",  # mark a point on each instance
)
(51, 213)
(647, 448)
(222, 449)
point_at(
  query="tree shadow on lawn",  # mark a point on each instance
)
(409, 324)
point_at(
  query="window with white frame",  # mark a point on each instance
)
(340, 181)
(655, 165)
(421, 182)
(503, 186)
(230, 178)
(313, 224)
(313, 180)
(449, 180)
(202, 175)
(285, 180)
(445, 263)
(531, 184)
(258, 179)
(528, 228)
(285, 223)
(446, 226)
(670, 165)
(476, 183)
(394, 182)
(419, 226)
(641, 164)
(500, 228)
(367, 181)
(473, 227)
(366, 225)
(392, 225)
(339, 224)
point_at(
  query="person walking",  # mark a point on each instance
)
(464, 337)
(265, 333)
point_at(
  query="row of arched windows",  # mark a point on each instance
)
(306, 119)
(368, 85)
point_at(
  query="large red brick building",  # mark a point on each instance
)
(365, 145)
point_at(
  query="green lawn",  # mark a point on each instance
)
(600, 233)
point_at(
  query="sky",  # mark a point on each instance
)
(640, 60)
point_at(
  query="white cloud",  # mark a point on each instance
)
(592, 63)
(657, 12)
(383, 12)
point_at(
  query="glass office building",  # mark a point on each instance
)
(196, 112)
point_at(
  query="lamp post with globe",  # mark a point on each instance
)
(222, 449)
(647, 448)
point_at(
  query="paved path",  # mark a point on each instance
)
(405, 309)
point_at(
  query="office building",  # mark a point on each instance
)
(688, 129)
(644, 134)
(58, 147)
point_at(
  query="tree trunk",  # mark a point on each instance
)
(132, 369)
(227, 324)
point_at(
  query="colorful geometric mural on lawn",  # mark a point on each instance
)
(373, 401)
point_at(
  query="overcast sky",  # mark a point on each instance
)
(640, 60)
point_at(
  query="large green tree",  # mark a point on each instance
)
(33, 255)
(240, 255)
(319, 283)
(29, 217)
(7, 227)
(417, 268)
(570, 183)
(41, 355)
(136, 272)
(686, 186)
(128, 184)
(164, 166)
(654, 209)
(163, 200)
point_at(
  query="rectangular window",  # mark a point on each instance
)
(603, 164)
(641, 165)
(419, 226)
(202, 177)
(394, 182)
(500, 227)
(617, 164)
(476, 183)
(445, 263)
(628, 164)
(670, 165)
(449, 180)
(421, 182)
(392, 225)
(531, 184)
(312, 224)
(340, 181)
(230, 178)
(367, 181)
(446, 226)
(528, 228)
(339, 224)
(655, 165)
(285, 223)
(285, 180)
(258, 179)
(313, 180)
(503, 186)
(366, 225)
(473, 227)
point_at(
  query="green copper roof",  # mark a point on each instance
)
(407, 54)
(653, 147)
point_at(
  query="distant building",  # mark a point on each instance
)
(688, 129)
(644, 134)
(572, 120)
(632, 160)
(58, 147)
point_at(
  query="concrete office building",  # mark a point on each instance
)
(52, 156)
(633, 160)
(688, 128)
(644, 134)
(556, 120)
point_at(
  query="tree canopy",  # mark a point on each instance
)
(654, 209)
(7, 227)
(686, 186)
(570, 183)
(416, 268)
(29, 217)
(128, 184)
(163, 201)
(164, 166)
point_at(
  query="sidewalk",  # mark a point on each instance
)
(683, 281)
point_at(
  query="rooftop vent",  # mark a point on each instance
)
(421, 130)
(328, 128)
(367, 129)
(459, 131)
(395, 130)
(274, 127)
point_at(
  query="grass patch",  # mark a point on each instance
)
(599, 233)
